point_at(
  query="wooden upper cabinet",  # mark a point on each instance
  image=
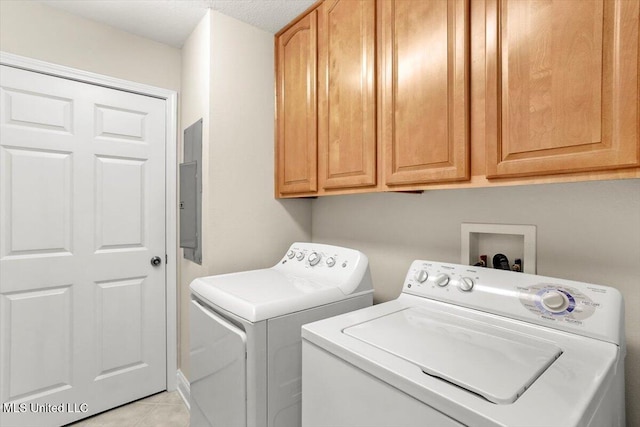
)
(562, 86)
(296, 107)
(346, 94)
(424, 90)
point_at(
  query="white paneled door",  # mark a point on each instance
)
(82, 211)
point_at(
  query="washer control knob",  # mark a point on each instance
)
(291, 254)
(331, 261)
(466, 284)
(300, 256)
(314, 258)
(421, 276)
(555, 301)
(441, 280)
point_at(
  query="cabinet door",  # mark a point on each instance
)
(346, 94)
(424, 109)
(562, 86)
(296, 114)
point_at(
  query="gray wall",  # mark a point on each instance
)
(585, 231)
(31, 29)
(249, 227)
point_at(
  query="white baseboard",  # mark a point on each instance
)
(184, 388)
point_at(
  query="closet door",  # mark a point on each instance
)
(82, 213)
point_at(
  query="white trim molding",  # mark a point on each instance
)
(171, 98)
(184, 388)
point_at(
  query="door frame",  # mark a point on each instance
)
(171, 144)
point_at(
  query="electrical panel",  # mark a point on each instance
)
(191, 194)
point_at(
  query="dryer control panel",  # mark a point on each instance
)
(582, 308)
(344, 267)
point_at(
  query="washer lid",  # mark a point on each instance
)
(263, 294)
(493, 362)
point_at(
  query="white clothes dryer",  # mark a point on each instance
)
(245, 344)
(470, 346)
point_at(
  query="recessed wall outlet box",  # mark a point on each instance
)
(514, 241)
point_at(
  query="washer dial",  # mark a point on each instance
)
(554, 301)
(466, 284)
(421, 276)
(441, 280)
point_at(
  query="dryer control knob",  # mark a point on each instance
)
(331, 261)
(441, 280)
(555, 301)
(291, 254)
(466, 284)
(421, 276)
(300, 256)
(314, 258)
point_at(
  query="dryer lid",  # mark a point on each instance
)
(493, 362)
(264, 294)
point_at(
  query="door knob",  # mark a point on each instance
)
(156, 261)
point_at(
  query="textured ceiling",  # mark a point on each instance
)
(171, 21)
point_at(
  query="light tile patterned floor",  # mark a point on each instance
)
(160, 410)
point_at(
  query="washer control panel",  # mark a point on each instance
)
(583, 308)
(433, 275)
(555, 301)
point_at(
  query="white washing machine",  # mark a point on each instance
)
(470, 346)
(245, 356)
